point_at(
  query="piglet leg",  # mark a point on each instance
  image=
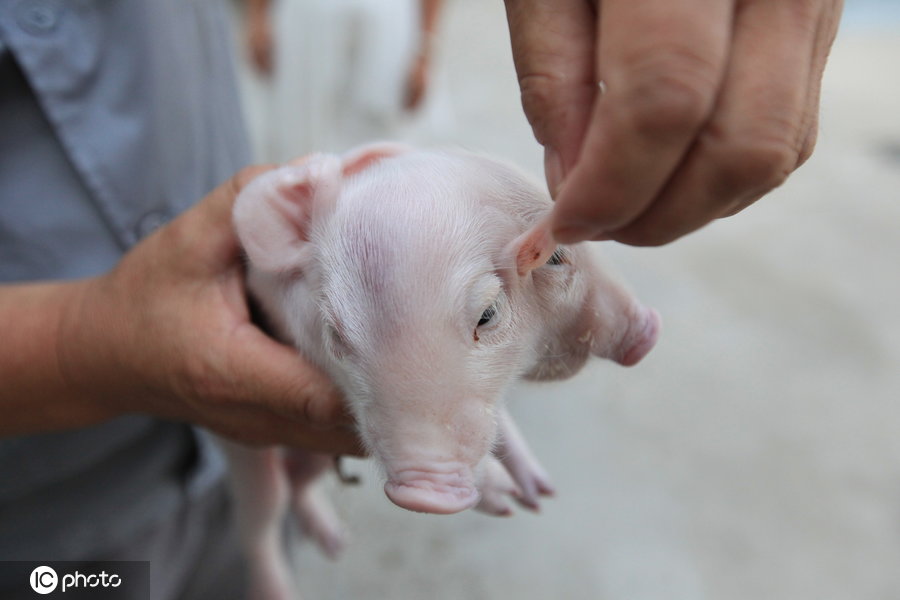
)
(516, 456)
(261, 498)
(496, 487)
(311, 506)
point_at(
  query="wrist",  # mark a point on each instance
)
(91, 354)
(38, 395)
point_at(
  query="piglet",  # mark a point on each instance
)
(424, 283)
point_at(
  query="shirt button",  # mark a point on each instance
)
(149, 223)
(38, 17)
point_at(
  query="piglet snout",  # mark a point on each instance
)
(642, 334)
(444, 490)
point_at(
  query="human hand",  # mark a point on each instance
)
(417, 82)
(708, 105)
(168, 333)
(259, 40)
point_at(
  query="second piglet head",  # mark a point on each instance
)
(425, 284)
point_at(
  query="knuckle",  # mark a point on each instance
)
(760, 165)
(670, 92)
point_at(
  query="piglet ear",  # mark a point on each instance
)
(361, 158)
(273, 214)
(533, 248)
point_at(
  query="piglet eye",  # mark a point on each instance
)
(558, 258)
(487, 315)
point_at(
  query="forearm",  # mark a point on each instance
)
(36, 394)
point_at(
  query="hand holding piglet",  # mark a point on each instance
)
(168, 333)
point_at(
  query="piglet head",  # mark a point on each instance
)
(404, 301)
(414, 317)
(582, 309)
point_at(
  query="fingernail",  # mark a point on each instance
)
(553, 170)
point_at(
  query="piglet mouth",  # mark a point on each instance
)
(442, 492)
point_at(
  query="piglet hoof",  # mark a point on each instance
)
(496, 487)
(528, 474)
(533, 482)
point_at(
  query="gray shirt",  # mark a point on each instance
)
(114, 117)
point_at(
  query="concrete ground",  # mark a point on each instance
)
(755, 454)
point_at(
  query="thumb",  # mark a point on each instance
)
(275, 376)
